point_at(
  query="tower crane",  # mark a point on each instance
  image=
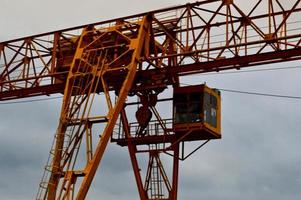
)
(114, 75)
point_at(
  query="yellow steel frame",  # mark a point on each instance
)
(218, 112)
(90, 170)
(87, 75)
(166, 46)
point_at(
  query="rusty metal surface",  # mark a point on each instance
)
(193, 38)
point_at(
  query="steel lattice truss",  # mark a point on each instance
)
(137, 55)
(200, 37)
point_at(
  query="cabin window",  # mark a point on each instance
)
(210, 109)
(188, 107)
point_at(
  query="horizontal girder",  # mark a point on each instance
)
(193, 38)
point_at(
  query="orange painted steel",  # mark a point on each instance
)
(193, 38)
(139, 55)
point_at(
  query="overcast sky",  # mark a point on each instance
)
(258, 157)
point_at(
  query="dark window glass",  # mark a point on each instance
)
(187, 107)
(210, 109)
(180, 98)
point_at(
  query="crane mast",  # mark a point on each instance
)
(112, 70)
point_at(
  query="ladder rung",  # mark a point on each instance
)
(92, 120)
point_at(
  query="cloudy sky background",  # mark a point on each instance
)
(259, 156)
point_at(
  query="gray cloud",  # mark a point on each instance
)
(258, 157)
